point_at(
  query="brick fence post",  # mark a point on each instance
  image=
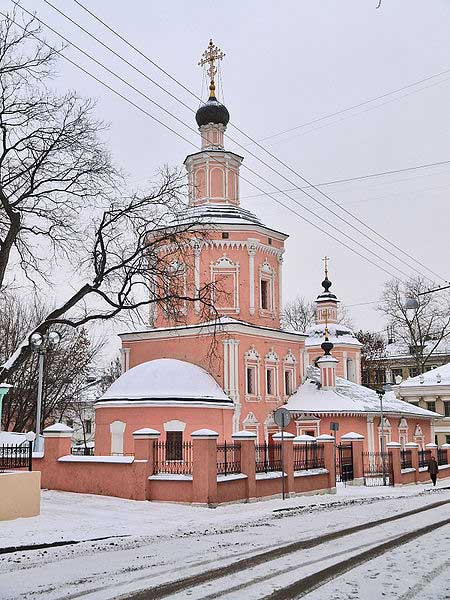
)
(58, 438)
(414, 457)
(330, 459)
(204, 466)
(144, 460)
(394, 449)
(288, 448)
(357, 442)
(247, 441)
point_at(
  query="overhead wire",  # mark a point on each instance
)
(269, 194)
(415, 260)
(310, 185)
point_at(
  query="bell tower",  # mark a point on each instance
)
(213, 173)
(326, 302)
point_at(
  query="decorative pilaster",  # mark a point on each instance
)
(197, 251)
(251, 248)
(280, 282)
(231, 377)
(370, 434)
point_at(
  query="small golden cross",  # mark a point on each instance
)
(211, 55)
(325, 260)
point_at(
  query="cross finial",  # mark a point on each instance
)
(325, 260)
(212, 54)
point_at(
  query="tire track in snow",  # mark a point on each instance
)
(166, 590)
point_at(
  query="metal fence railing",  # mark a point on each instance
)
(17, 456)
(308, 456)
(406, 459)
(172, 457)
(82, 451)
(268, 457)
(424, 458)
(377, 468)
(442, 456)
(228, 458)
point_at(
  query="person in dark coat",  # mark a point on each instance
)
(433, 470)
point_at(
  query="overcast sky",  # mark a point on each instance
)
(286, 64)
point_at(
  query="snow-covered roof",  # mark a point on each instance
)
(221, 214)
(166, 379)
(401, 349)
(337, 334)
(436, 377)
(348, 397)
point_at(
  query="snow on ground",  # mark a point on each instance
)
(167, 541)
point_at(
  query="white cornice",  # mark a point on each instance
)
(209, 329)
(161, 403)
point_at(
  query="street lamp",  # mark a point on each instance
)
(411, 305)
(42, 343)
(381, 391)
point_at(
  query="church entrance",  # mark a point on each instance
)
(344, 462)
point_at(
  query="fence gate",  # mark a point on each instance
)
(344, 462)
(377, 468)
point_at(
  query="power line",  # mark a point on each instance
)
(264, 149)
(344, 110)
(270, 195)
(361, 177)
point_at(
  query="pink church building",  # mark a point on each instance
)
(231, 373)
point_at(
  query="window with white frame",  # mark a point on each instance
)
(289, 373)
(419, 437)
(271, 375)
(266, 288)
(225, 280)
(252, 365)
(251, 423)
(386, 432)
(403, 432)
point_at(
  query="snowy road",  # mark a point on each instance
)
(167, 542)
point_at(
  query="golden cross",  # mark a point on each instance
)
(211, 55)
(325, 260)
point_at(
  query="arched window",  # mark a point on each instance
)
(419, 437)
(117, 429)
(251, 423)
(403, 432)
(351, 372)
(387, 433)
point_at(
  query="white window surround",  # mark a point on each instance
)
(252, 360)
(271, 363)
(117, 429)
(270, 427)
(289, 366)
(419, 437)
(251, 423)
(223, 267)
(174, 425)
(267, 273)
(304, 426)
(387, 430)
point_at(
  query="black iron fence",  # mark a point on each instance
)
(308, 456)
(442, 456)
(406, 459)
(377, 468)
(81, 451)
(16, 456)
(228, 458)
(344, 463)
(172, 457)
(268, 457)
(424, 458)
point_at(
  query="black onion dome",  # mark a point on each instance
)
(212, 112)
(326, 294)
(326, 284)
(327, 346)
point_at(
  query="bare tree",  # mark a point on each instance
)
(300, 314)
(112, 372)
(373, 349)
(66, 367)
(52, 162)
(422, 333)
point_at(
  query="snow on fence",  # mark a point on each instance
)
(308, 456)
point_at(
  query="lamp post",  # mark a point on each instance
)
(42, 343)
(380, 393)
